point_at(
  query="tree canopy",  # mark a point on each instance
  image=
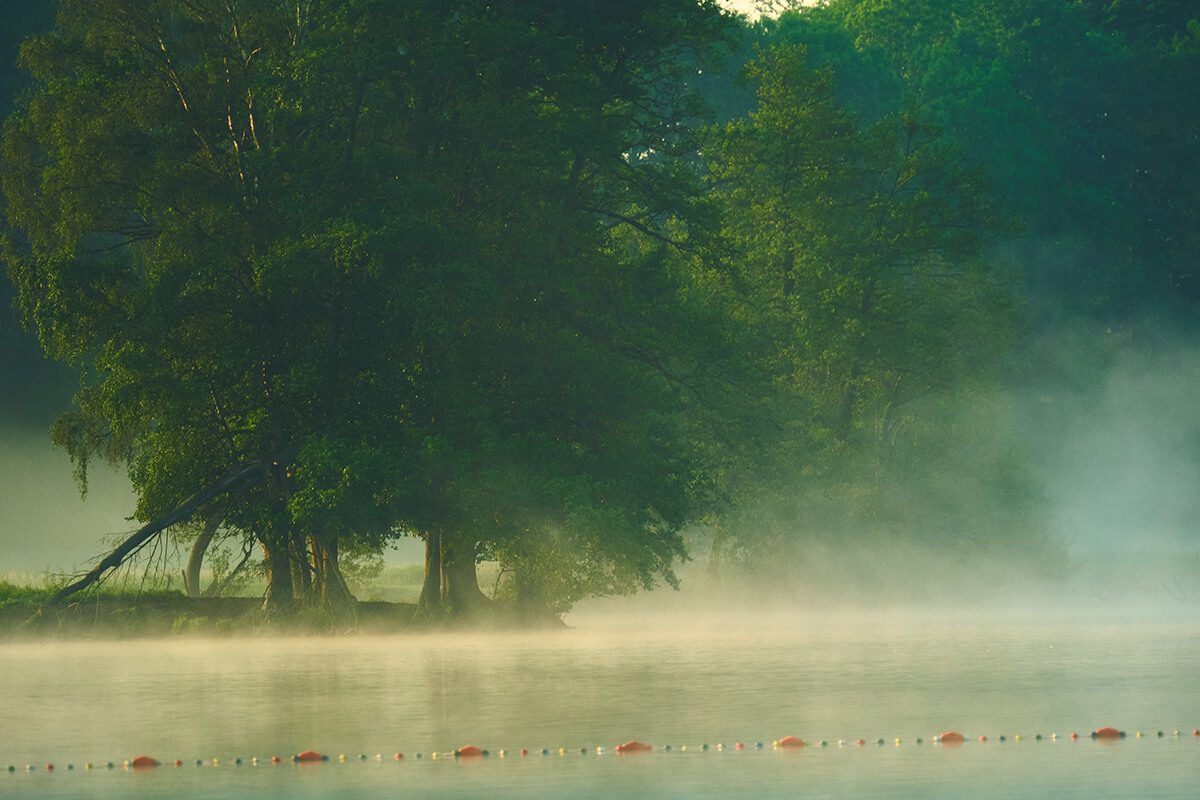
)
(361, 234)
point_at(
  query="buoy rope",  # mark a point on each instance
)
(949, 739)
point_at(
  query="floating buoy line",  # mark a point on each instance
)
(950, 739)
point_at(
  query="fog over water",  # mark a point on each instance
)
(576, 695)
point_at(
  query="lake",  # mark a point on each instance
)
(686, 684)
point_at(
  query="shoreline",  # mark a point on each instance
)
(159, 616)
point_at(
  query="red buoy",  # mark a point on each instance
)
(1106, 733)
(791, 742)
(634, 747)
(143, 762)
(308, 755)
(952, 737)
(469, 750)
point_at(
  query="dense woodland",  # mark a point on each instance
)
(589, 289)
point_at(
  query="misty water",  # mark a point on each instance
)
(685, 685)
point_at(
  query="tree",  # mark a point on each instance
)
(861, 250)
(339, 231)
(207, 216)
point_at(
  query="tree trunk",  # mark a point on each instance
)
(191, 577)
(714, 556)
(430, 601)
(281, 592)
(302, 571)
(279, 547)
(331, 591)
(461, 595)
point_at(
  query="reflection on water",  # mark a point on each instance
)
(71, 703)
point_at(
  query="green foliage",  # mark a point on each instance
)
(484, 272)
(355, 231)
(21, 597)
(860, 249)
(1079, 112)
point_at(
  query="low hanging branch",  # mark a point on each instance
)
(254, 470)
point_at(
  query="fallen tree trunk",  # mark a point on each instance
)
(147, 532)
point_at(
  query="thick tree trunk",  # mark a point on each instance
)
(461, 595)
(281, 593)
(430, 601)
(280, 548)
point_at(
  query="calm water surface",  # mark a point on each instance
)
(74, 703)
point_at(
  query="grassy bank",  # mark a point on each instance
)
(147, 607)
(157, 613)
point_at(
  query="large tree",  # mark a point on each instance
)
(343, 240)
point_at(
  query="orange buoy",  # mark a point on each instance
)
(634, 747)
(1107, 733)
(143, 762)
(791, 743)
(308, 755)
(469, 750)
(952, 737)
